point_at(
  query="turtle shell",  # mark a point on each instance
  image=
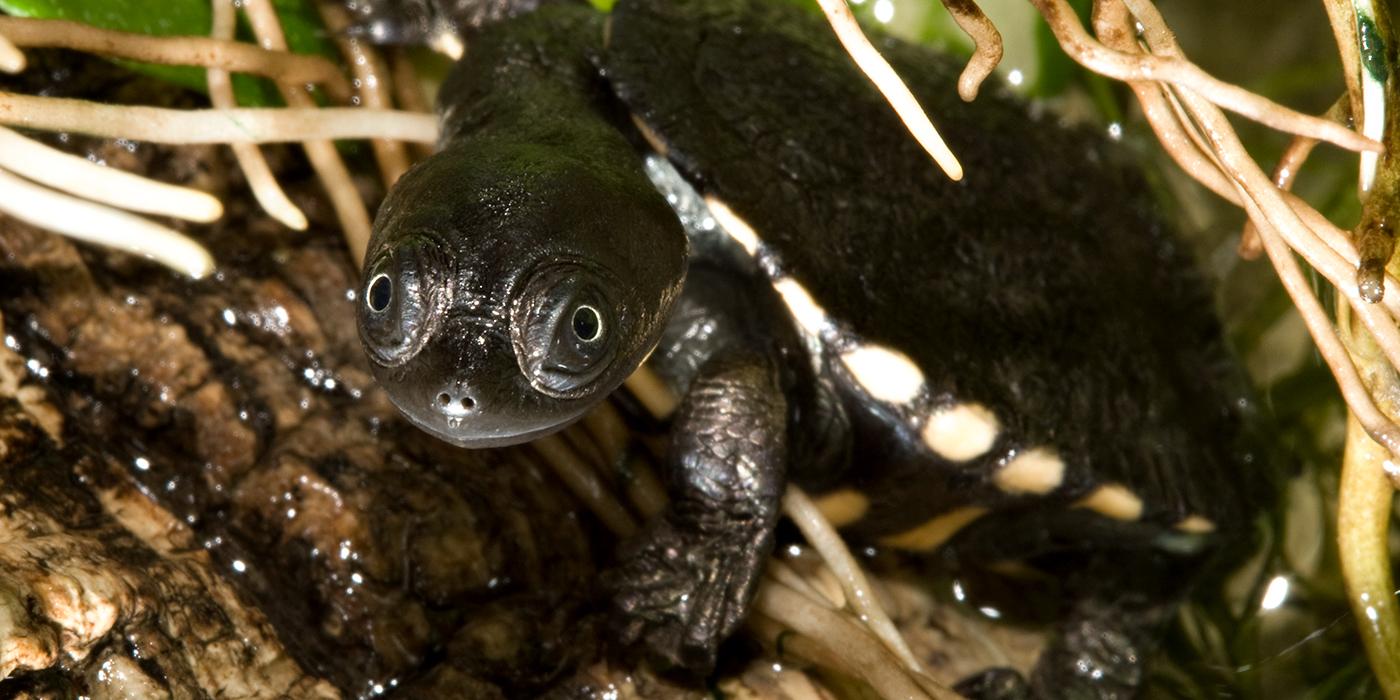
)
(1043, 287)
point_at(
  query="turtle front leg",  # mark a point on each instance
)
(686, 582)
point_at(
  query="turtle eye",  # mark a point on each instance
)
(380, 293)
(404, 298)
(560, 331)
(588, 324)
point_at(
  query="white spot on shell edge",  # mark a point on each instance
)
(961, 432)
(733, 225)
(810, 317)
(1113, 501)
(1195, 525)
(650, 136)
(1037, 471)
(886, 375)
(935, 531)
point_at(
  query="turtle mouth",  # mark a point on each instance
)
(474, 415)
(459, 427)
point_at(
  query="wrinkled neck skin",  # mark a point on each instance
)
(535, 206)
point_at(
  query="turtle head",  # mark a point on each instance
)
(506, 289)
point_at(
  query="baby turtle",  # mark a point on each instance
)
(1023, 365)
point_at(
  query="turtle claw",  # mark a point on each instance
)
(678, 595)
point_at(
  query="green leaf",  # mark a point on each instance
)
(300, 22)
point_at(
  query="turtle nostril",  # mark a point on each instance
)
(455, 402)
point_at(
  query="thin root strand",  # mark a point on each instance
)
(226, 54)
(103, 225)
(11, 58)
(320, 150)
(186, 126)
(84, 178)
(1128, 67)
(986, 40)
(261, 181)
(875, 67)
